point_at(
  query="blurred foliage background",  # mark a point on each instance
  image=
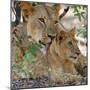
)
(81, 11)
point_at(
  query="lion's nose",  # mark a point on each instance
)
(55, 22)
(41, 42)
(78, 53)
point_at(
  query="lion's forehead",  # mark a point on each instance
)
(44, 12)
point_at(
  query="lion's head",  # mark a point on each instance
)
(42, 20)
(66, 46)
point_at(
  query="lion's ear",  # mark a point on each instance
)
(57, 8)
(26, 9)
(73, 31)
(60, 36)
(24, 5)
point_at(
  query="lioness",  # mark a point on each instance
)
(42, 20)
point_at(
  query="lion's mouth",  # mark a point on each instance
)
(74, 57)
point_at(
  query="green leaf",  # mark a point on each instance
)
(29, 58)
(79, 17)
(79, 7)
(34, 48)
(76, 14)
(39, 45)
(82, 31)
(30, 55)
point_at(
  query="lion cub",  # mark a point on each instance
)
(63, 58)
(62, 54)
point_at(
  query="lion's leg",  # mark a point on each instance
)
(57, 76)
(69, 67)
(66, 77)
(81, 66)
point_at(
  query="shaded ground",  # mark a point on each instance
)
(42, 83)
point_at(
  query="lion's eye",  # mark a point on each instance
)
(70, 43)
(60, 38)
(42, 20)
